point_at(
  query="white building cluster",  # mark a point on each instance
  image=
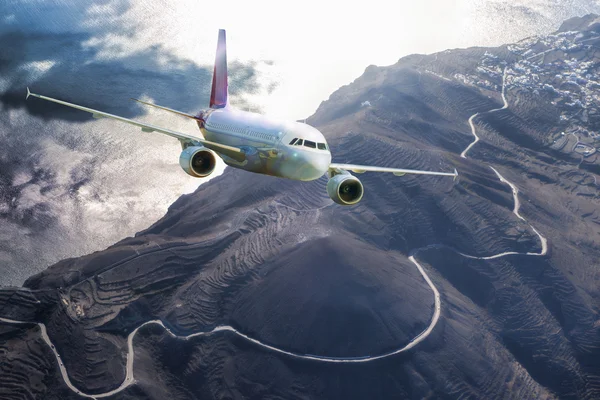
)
(562, 69)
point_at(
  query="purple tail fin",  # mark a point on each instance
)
(219, 93)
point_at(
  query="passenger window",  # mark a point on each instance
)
(310, 144)
(321, 146)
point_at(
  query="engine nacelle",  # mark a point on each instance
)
(198, 161)
(345, 189)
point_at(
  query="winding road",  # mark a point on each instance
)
(472, 125)
(129, 377)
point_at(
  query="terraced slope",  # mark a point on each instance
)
(255, 287)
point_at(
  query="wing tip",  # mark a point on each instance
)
(28, 94)
(455, 175)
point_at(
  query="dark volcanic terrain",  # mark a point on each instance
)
(298, 296)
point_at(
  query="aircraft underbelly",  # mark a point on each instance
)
(261, 161)
(260, 157)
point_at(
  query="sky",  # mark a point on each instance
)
(70, 185)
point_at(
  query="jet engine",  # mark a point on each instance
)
(198, 161)
(345, 189)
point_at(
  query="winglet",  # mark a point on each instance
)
(28, 94)
(455, 174)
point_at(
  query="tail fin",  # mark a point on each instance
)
(219, 93)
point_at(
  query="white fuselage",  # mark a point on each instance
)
(266, 142)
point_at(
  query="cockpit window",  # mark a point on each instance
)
(308, 143)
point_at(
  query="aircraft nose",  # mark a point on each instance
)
(306, 165)
(321, 165)
(318, 165)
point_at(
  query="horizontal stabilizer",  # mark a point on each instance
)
(167, 109)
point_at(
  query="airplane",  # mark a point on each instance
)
(255, 142)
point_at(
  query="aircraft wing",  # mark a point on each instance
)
(359, 169)
(230, 151)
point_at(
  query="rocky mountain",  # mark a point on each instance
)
(256, 287)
